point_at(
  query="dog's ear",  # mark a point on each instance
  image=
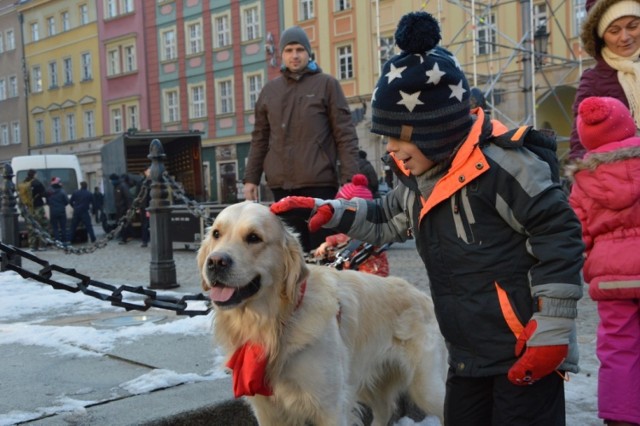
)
(294, 265)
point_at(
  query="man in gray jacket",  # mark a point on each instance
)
(303, 139)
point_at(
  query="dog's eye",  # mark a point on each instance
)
(253, 238)
(215, 234)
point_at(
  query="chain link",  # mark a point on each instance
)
(192, 206)
(116, 295)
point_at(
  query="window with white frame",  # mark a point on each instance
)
(35, 32)
(64, 18)
(253, 88)
(342, 5)
(306, 10)
(168, 38)
(89, 124)
(53, 74)
(225, 96)
(345, 63)
(250, 23)
(126, 6)
(15, 132)
(116, 120)
(132, 116)
(539, 15)
(486, 35)
(4, 134)
(36, 79)
(39, 132)
(86, 66)
(113, 61)
(71, 126)
(221, 31)
(10, 40)
(130, 63)
(197, 102)
(51, 26)
(13, 86)
(84, 14)
(194, 37)
(2, 43)
(111, 8)
(56, 131)
(68, 71)
(3, 89)
(171, 106)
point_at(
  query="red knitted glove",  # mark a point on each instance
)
(318, 217)
(537, 361)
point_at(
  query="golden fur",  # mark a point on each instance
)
(349, 337)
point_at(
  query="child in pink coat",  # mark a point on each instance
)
(606, 197)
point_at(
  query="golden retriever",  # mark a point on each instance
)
(330, 338)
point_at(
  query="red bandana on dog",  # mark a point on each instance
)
(249, 364)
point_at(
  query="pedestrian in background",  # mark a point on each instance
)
(501, 245)
(611, 35)
(98, 203)
(32, 194)
(58, 200)
(144, 213)
(81, 201)
(122, 202)
(366, 168)
(302, 129)
(606, 197)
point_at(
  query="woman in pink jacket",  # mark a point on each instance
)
(606, 198)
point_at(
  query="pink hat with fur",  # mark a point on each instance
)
(356, 188)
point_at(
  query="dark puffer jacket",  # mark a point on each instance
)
(57, 200)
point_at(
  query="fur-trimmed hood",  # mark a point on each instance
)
(596, 158)
(590, 41)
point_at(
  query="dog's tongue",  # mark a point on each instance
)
(221, 293)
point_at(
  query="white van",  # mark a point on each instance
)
(64, 166)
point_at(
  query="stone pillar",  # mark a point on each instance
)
(9, 214)
(162, 270)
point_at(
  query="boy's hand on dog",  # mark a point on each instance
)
(540, 361)
(319, 212)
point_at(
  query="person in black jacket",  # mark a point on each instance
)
(58, 200)
(81, 201)
(98, 202)
(122, 201)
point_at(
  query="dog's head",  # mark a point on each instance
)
(249, 257)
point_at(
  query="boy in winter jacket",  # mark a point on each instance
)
(606, 197)
(58, 200)
(501, 245)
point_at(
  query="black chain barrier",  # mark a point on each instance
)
(116, 295)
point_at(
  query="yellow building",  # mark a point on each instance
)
(61, 62)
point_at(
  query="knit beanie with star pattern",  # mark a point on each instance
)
(422, 95)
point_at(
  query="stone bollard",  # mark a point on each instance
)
(162, 268)
(9, 215)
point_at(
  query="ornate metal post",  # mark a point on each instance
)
(9, 214)
(162, 268)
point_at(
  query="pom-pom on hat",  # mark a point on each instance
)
(358, 187)
(422, 95)
(295, 35)
(602, 120)
(55, 180)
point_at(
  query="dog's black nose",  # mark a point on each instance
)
(218, 262)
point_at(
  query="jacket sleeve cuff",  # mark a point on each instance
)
(564, 308)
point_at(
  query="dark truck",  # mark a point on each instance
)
(127, 154)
